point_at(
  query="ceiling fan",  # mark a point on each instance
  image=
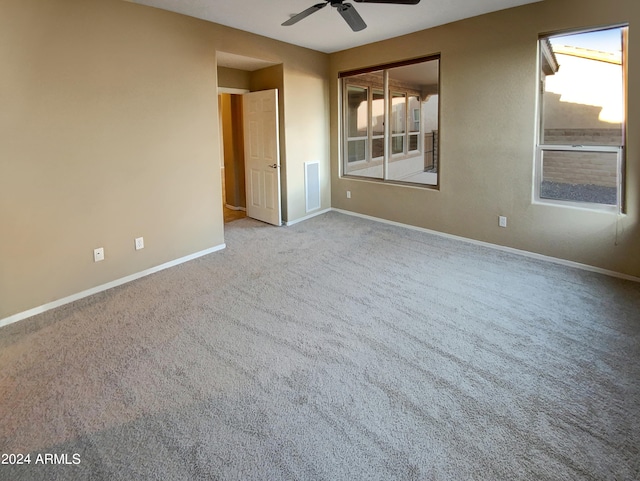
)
(347, 11)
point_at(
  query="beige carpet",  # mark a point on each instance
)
(335, 349)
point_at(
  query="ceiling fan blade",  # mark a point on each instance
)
(397, 2)
(351, 16)
(304, 14)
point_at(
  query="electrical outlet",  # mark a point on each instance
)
(139, 243)
(98, 254)
(348, 194)
(502, 221)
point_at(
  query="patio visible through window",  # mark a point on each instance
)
(390, 122)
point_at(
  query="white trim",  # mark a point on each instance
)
(591, 206)
(233, 207)
(512, 250)
(94, 290)
(586, 206)
(307, 217)
(613, 149)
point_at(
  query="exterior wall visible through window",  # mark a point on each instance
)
(580, 158)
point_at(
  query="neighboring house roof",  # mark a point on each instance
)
(549, 61)
(608, 57)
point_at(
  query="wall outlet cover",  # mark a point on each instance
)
(98, 254)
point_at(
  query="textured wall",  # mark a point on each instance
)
(488, 134)
(234, 78)
(109, 131)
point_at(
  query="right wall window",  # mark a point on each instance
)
(580, 155)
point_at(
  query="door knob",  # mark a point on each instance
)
(274, 166)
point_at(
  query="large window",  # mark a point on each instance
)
(580, 155)
(390, 122)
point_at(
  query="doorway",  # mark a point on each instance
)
(249, 189)
(251, 156)
(232, 154)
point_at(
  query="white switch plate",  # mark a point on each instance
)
(348, 194)
(98, 254)
(139, 243)
(502, 221)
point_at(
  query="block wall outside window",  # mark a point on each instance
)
(580, 158)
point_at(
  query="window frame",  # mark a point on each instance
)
(541, 147)
(373, 137)
(387, 91)
(358, 138)
(396, 93)
(419, 134)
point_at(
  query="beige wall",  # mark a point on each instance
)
(109, 131)
(488, 122)
(234, 78)
(305, 99)
(306, 118)
(304, 109)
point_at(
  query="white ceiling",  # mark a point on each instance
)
(325, 30)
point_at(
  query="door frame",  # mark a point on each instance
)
(230, 91)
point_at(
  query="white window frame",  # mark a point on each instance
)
(541, 147)
(370, 137)
(539, 174)
(410, 121)
(379, 136)
(398, 93)
(367, 146)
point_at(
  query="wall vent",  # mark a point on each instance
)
(312, 185)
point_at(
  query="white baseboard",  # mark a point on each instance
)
(94, 290)
(307, 217)
(234, 207)
(74, 297)
(533, 255)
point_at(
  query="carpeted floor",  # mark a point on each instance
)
(335, 349)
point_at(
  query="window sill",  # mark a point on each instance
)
(399, 183)
(583, 206)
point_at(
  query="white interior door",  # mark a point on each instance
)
(262, 155)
